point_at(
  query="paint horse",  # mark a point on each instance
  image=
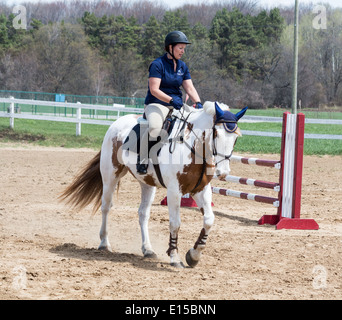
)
(198, 147)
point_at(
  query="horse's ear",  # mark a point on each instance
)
(219, 111)
(241, 113)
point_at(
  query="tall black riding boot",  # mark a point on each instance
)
(141, 167)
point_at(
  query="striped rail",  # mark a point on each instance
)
(251, 182)
(259, 162)
(246, 196)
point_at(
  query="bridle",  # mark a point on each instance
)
(204, 156)
(215, 152)
(214, 131)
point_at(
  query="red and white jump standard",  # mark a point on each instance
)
(290, 178)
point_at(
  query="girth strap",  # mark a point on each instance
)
(158, 173)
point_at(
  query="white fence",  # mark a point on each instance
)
(78, 106)
(280, 119)
(79, 119)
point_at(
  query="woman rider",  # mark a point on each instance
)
(166, 75)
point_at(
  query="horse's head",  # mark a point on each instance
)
(225, 133)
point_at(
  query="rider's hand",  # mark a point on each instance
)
(198, 105)
(176, 102)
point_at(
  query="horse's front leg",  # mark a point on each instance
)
(147, 196)
(173, 201)
(203, 200)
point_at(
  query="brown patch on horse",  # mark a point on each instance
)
(188, 130)
(194, 172)
(117, 156)
(148, 179)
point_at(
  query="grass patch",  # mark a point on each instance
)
(252, 144)
(277, 127)
(52, 134)
(8, 134)
(61, 134)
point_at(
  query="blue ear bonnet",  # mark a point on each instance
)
(228, 118)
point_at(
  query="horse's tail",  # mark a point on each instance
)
(86, 187)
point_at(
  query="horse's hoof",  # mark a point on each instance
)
(177, 265)
(191, 262)
(105, 248)
(150, 255)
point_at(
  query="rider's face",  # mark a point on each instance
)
(178, 50)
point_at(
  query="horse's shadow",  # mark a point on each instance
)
(242, 220)
(247, 222)
(71, 250)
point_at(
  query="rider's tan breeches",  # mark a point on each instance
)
(155, 114)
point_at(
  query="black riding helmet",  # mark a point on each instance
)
(173, 38)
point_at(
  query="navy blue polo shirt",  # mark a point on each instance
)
(163, 68)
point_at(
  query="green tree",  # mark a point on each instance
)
(111, 33)
(128, 33)
(152, 41)
(64, 60)
(35, 26)
(199, 32)
(269, 27)
(236, 36)
(4, 41)
(91, 28)
(175, 20)
(264, 60)
(10, 37)
(107, 31)
(233, 34)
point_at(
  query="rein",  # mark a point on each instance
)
(178, 137)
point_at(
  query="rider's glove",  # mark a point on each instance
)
(198, 105)
(176, 102)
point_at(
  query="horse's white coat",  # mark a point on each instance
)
(116, 162)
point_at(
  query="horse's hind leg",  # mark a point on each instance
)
(110, 179)
(107, 197)
(203, 200)
(147, 197)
